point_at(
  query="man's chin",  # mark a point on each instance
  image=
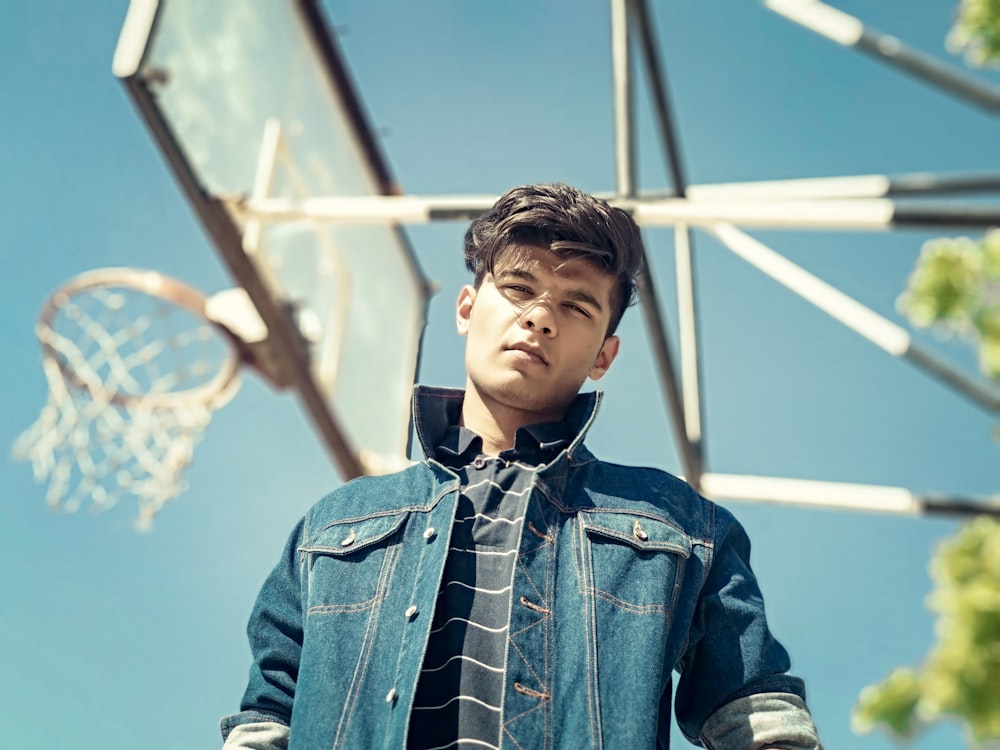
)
(524, 394)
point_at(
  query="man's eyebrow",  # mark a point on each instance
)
(578, 295)
(517, 273)
(581, 295)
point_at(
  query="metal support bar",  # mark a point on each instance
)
(687, 323)
(625, 192)
(657, 84)
(882, 332)
(848, 214)
(687, 317)
(847, 30)
(861, 214)
(622, 95)
(860, 186)
(844, 496)
(690, 458)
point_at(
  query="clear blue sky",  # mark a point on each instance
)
(117, 640)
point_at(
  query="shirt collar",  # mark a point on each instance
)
(436, 413)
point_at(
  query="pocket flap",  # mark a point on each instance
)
(641, 532)
(347, 537)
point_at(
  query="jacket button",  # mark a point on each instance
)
(479, 461)
(391, 695)
(638, 532)
(428, 532)
(349, 540)
(411, 610)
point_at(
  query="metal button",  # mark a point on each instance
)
(411, 610)
(391, 695)
(428, 532)
(349, 540)
(479, 461)
(638, 532)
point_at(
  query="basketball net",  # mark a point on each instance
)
(135, 372)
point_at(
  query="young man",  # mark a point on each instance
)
(513, 590)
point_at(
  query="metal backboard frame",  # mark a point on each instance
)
(841, 203)
(289, 101)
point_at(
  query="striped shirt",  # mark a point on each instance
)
(459, 698)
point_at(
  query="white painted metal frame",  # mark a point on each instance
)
(849, 31)
(842, 203)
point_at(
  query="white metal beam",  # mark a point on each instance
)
(881, 331)
(842, 495)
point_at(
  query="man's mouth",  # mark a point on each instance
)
(532, 351)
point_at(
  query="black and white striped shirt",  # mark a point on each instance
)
(459, 696)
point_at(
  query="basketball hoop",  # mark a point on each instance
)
(136, 370)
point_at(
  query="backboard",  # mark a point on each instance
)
(253, 101)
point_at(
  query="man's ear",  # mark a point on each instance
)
(609, 350)
(463, 308)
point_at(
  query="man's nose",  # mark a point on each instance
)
(538, 317)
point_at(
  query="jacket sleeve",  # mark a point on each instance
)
(275, 634)
(733, 671)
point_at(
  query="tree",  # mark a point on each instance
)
(961, 676)
(956, 286)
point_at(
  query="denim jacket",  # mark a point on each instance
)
(624, 576)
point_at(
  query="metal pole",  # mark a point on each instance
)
(846, 496)
(621, 71)
(848, 31)
(625, 190)
(843, 308)
(687, 315)
(859, 186)
(821, 213)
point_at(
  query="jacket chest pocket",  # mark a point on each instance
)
(350, 565)
(634, 563)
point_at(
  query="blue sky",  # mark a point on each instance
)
(115, 639)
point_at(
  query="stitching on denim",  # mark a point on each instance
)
(593, 705)
(537, 707)
(368, 642)
(678, 585)
(527, 665)
(346, 607)
(551, 562)
(325, 609)
(638, 513)
(638, 609)
(402, 510)
(529, 579)
(629, 540)
(528, 628)
(540, 706)
(514, 742)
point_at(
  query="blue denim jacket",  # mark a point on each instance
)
(624, 575)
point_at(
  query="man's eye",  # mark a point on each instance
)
(517, 289)
(578, 309)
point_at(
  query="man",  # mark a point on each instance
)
(512, 590)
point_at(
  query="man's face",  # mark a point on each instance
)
(536, 330)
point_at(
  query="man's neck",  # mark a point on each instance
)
(497, 423)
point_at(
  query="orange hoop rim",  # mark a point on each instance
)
(214, 393)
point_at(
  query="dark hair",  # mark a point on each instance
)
(567, 222)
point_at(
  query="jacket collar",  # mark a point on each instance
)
(436, 409)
